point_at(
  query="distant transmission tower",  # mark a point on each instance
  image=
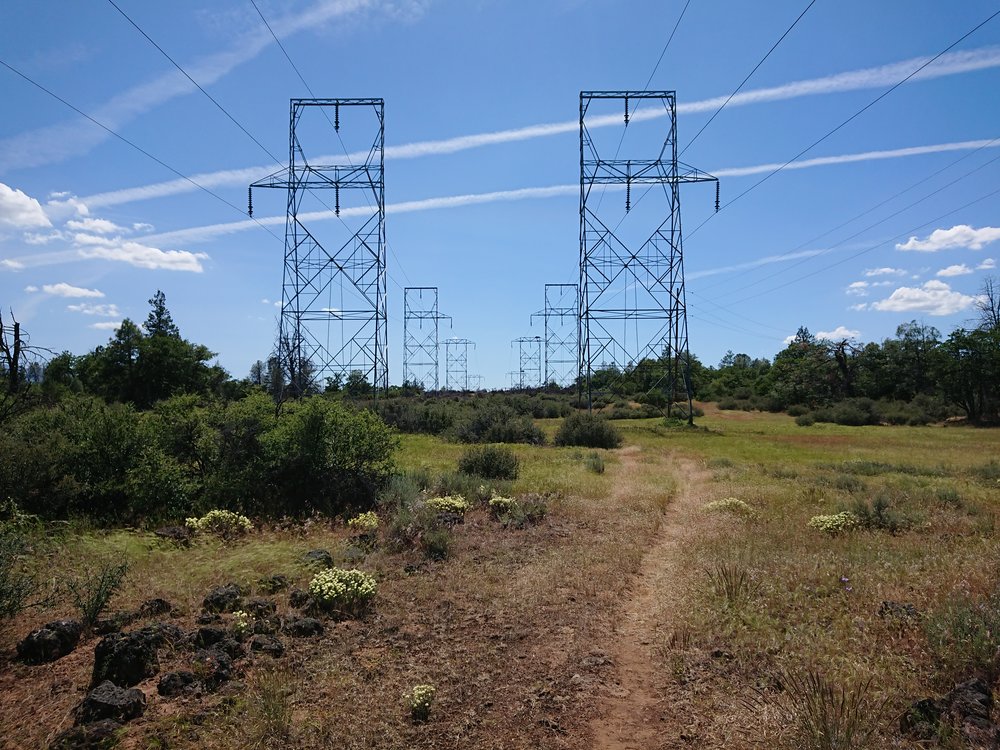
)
(632, 297)
(560, 316)
(529, 359)
(421, 324)
(456, 364)
(333, 311)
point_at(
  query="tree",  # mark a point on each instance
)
(159, 321)
(988, 305)
(967, 367)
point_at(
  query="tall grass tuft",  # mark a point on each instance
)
(734, 583)
(825, 715)
(91, 592)
(269, 715)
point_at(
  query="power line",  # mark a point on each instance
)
(133, 145)
(854, 116)
(198, 85)
(665, 46)
(748, 76)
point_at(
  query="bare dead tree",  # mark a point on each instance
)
(17, 393)
(988, 305)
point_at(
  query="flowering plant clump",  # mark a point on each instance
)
(242, 623)
(345, 592)
(732, 505)
(448, 504)
(835, 523)
(420, 699)
(365, 524)
(502, 506)
(222, 523)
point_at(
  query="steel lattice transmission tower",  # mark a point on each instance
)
(333, 297)
(529, 358)
(421, 326)
(632, 298)
(562, 346)
(456, 364)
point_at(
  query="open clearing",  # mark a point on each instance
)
(607, 625)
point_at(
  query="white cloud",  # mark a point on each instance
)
(141, 226)
(66, 208)
(988, 264)
(107, 325)
(933, 298)
(31, 289)
(859, 307)
(62, 289)
(957, 270)
(961, 235)
(10, 263)
(20, 211)
(137, 254)
(100, 226)
(838, 333)
(72, 138)
(885, 271)
(105, 311)
(866, 78)
(881, 283)
(858, 289)
(42, 238)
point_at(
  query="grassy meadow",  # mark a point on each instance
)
(753, 612)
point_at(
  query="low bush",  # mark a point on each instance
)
(519, 513)
(92, 591)
(878, 515)
(454, 504)
(16, 586)
(419, 700)
(964, 635)
(221, 523)
(834, 523)
(496, 423)
(797, 410)
(346, 593)
(490, 462)
(731, 506)
(594, 462)
(589, 431)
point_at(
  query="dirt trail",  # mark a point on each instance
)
(632, 714)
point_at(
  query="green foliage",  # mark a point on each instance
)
(594, 462)
(15, 584)
(964, 635)
(878, 515)
(835, 523)
(496, 423)
(490, 462)
(346, 593)
(733, 583)
(419, 700)
(454, 504)
(221, 523)
(731, 506)
(829, 716)
(91, 591)
(588, 430)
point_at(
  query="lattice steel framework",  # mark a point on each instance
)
(421, 326)
(632, 299)
(529, 358)
(456, 364)
(560, 316)
(333, 304)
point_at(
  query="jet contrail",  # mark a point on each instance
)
(950, 64)
(197, 234)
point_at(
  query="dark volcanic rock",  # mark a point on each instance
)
(154, 608)
(99, 735)
(208, 618)
(267, 625)
(177, 534)
(161, 634)
(318, 558)
(967, 708)
(228, 598)
(274, 584)
(213, 666)
(50, 642)
(302, 627)
(108, 701)
(298, 598)
(267, 644)
(124, 659)
(260, 607)
(231, 647)
(113, 623)
(175, 683)
(208, 635)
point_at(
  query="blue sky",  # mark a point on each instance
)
(90, 228)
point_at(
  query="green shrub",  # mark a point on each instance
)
(878, 515)
(797, 410)
(731, 506)
(589, 431)
(835, 523)
(92, 591)
(454, 504)
(436, 542)
(964, 636)
(490, 462)
(496, 423)
(419, 700)
(728, 404)
(519, 513)
(221, 523)
(15, 584)
(594, 462)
